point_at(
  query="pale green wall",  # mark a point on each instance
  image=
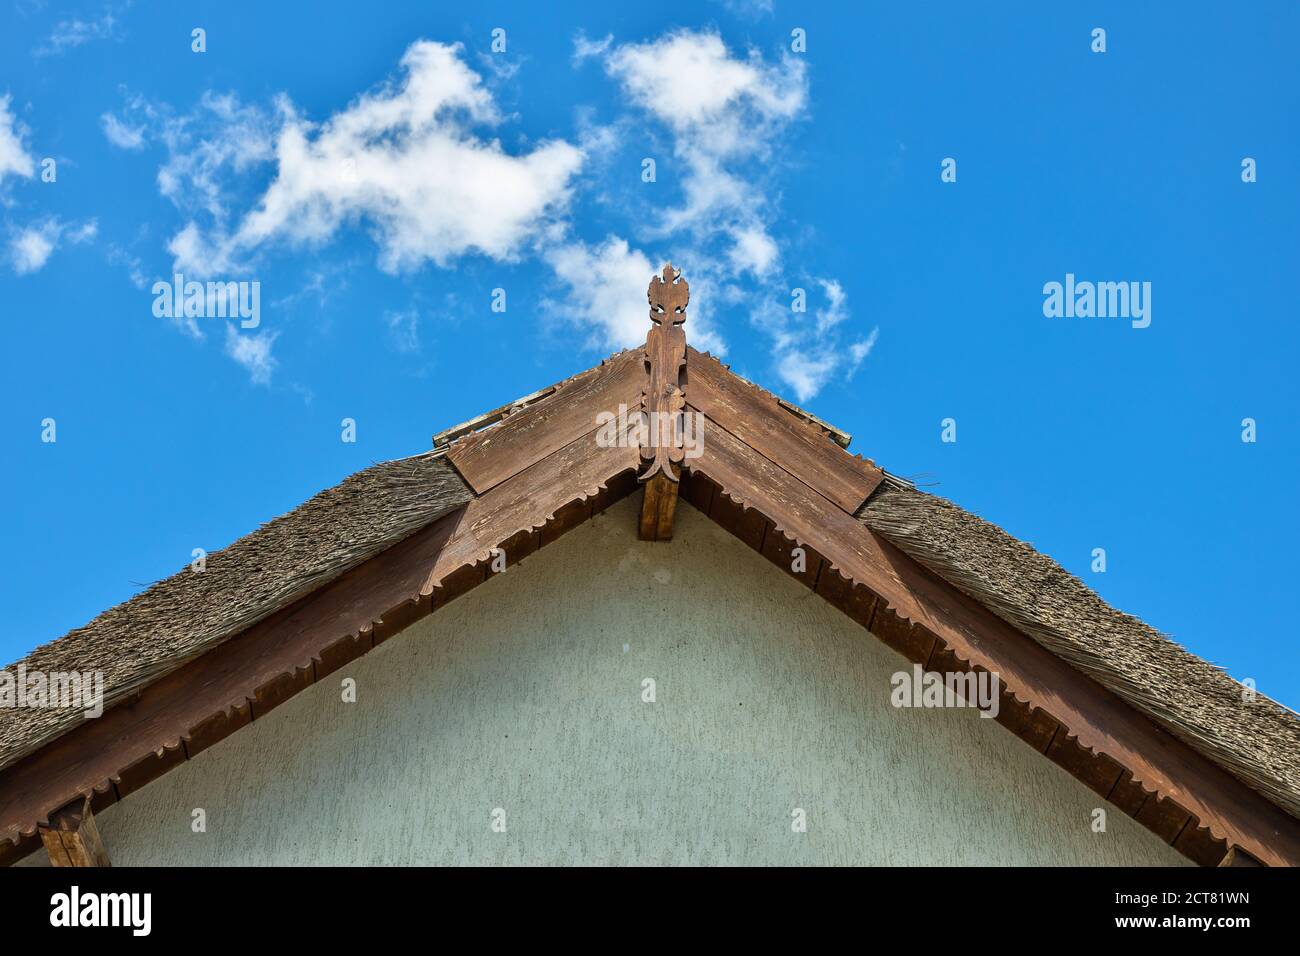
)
(521, 696)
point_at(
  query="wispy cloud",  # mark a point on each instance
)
(73, 32)
(119, 256)
(749, 8)
(31, 247)
(121, 135)
(810, 348)
(725, 115)
(404, 330)
(253, 352)
(585, 49)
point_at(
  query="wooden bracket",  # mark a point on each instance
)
(662, 404)
(71, 837)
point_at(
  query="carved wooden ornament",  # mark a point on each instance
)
(663, 402)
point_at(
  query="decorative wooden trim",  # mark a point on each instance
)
(758, 419)
(662, 404)
(522, 438)
(71, 837)
(919, 614)
(837, 435)
(449, 435)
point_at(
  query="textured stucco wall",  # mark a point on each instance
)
(525, 695)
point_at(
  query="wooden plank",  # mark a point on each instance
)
(449, 435)
(757, 419)
(488, 457)
(575, 473)
(71, 837)
(1102, 723)
(837, 435)
(657, 508)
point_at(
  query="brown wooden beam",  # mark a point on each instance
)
(487, 458)
(657, 508)
(757, 419)
(71, 837)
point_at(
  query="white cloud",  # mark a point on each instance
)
(415, 162)
(220, 139)
(607, 288)
(121, 135)
(14, 158)
(809, 353)
(725, 114)
(31, 247)
(404, 159)
(755, 251)
(806, 371)
(194, 255)
(253, 351)
(836, 310)
(585, 49)
(689, 80)
(858, 351)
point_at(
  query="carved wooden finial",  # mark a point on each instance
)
(663, 402)
(668, 295)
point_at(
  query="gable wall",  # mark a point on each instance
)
(525, 695)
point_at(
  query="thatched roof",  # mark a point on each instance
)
(1256, 740)
(182, 616)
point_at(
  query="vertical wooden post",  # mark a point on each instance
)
(71, 837)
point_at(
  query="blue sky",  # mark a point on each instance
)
(379, 170)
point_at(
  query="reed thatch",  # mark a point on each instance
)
(191, 612)
(1255, 739)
